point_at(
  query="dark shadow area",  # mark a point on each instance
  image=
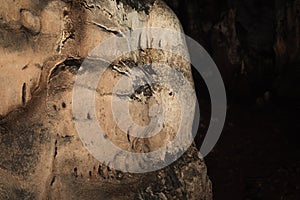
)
(256, 47)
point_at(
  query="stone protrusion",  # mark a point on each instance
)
(30, 21)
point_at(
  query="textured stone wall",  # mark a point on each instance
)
(42, 45)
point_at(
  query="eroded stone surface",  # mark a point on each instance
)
(30, 21)
(41, 154)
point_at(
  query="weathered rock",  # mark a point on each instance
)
(30, 21)
(40, 147)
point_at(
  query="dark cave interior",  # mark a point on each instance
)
(256, 46)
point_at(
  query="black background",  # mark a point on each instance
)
(256, 46)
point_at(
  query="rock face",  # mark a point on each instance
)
(43, 44)
(255, 44)
(30, 21)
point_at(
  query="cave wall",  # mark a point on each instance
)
(42, 46)
(254, 43)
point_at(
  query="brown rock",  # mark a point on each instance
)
(30, 21)
(40, 147)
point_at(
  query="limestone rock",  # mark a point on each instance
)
(42, 156)
(30, 21)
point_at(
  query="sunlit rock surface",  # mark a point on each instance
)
(42, 45)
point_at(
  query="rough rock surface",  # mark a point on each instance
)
(255, 44)
(42, 45)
